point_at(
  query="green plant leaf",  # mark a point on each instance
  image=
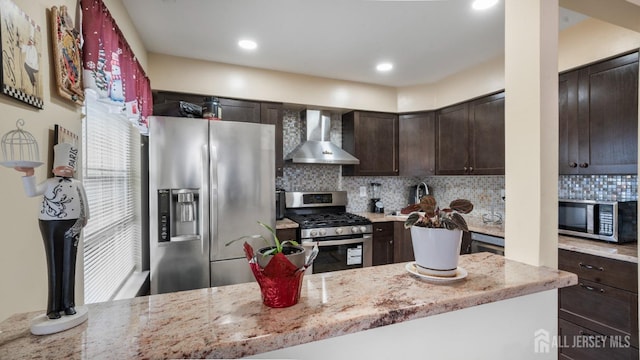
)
(275, 237)
(459, 222)
(247, 237)
(428, 205)
(278, 246)
(411, 220)
(292, 242)
(462, 206)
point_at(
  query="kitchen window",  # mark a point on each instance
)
(111, 176)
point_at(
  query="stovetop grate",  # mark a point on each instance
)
(324, 220)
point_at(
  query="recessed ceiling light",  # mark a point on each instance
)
(247, 44)
(483, 4)
(384, 66)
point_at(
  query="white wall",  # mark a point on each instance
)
(23, 273)
(482, 79)
(210, 78)
(592, 40)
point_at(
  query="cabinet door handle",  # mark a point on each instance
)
(471, 169)
(584, 165)
(591, 267)
(379, 229)
(591, 288)
(465, 168)
(573, 165)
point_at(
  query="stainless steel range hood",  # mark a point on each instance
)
(316, 148)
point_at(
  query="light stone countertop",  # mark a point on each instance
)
(286, 223)
(624, 252)
(230, 321)
(475, 224)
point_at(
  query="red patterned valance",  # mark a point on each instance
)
(111, 70)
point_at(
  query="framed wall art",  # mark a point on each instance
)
(21, 40)
(67, 56)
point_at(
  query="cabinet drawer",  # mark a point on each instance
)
(615, 311)
(616, 273)
(578, 342)
(383, 229)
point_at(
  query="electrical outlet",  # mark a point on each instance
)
(363, 191)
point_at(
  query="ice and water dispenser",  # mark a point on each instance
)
(178, 217)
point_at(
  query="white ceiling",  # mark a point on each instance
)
(341, 39)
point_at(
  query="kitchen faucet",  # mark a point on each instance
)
(426, 191)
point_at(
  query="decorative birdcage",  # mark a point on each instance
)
(20, 148)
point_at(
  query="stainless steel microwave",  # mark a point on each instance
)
(612, 221)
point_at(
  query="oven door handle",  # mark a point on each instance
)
(322, 243)
(481, 246)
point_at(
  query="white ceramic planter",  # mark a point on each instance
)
(436, 250)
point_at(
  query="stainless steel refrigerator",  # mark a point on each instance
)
(209, 183)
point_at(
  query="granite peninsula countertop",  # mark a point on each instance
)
(230, 321)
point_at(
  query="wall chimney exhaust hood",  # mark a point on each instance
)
(316, 148)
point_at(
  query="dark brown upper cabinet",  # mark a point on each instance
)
(452, 140)
(598, 118)
(271, 113)
(486, 152)
(161, 97)
(372, 138)
(417, 144)
(470, 137)
(232, 109)
(240, 110)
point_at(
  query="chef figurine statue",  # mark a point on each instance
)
(63, 214)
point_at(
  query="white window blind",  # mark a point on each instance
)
(111, 177)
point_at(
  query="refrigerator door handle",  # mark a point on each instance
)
(204, 201)
(213, 199)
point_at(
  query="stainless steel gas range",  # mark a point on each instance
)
(344, 239)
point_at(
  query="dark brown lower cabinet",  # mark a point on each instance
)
(382, 243)
(577, 342)
(598, 318)
(402, 246)
(287, 234)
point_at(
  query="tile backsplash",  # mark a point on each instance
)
(482, 191)
(598, 187)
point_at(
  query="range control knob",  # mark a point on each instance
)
(355, 229)
(339, 231)
(323, 232)
(313, 233)
(363, 229)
